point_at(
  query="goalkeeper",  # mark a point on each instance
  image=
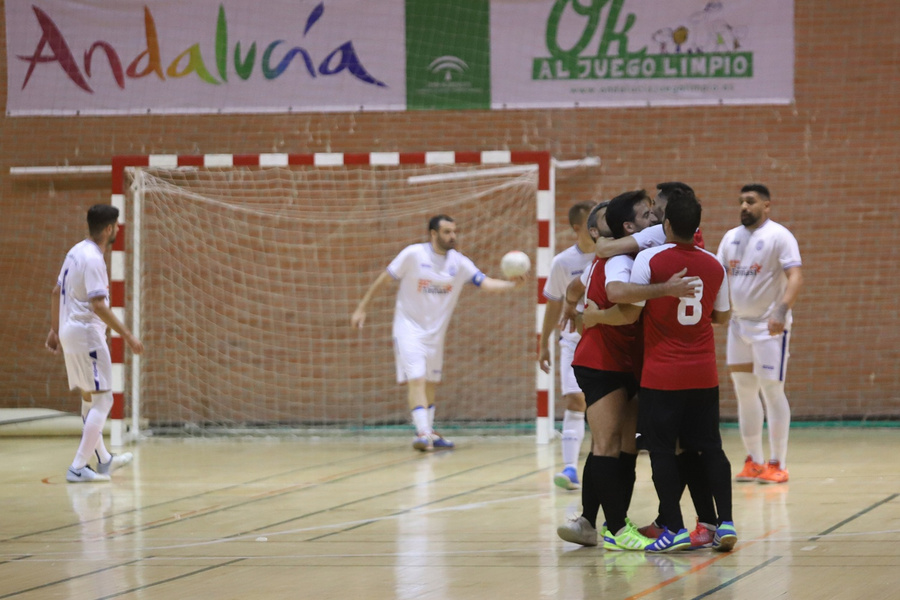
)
(431, 277)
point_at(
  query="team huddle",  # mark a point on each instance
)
(650, 294)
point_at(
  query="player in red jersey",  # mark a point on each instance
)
(679, 380)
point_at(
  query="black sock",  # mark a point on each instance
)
(627, 466)
(690, 466)
(590, 501)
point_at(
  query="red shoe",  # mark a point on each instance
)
(773, 473)
(702, 535)
(751, 471)
(651, 531)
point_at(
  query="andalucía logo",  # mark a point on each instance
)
(273, 62)
(447, 66)
(705, 45)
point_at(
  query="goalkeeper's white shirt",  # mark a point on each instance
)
(82, 278)
(566, 266)
(430, 285)
(755, 262)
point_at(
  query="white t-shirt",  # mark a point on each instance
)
(755, 262)
(82, 278)
(566, 266)
(430, 285)
(650, 237)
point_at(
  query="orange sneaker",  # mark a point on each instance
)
(750, 471)
(773, 473)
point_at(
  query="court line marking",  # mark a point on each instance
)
(704, 565)
(853, 517)
(195, 496)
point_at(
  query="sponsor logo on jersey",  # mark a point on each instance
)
(737, 270)
(427, 286)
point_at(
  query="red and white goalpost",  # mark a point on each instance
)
(267, 225)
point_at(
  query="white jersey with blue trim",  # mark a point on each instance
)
(430, 285)
(82, 278)
(755, 261)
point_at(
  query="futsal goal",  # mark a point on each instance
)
(240, 272)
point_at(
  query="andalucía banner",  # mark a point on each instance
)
(71, 57)
(177, 56)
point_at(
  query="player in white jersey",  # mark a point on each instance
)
(79, 317)
(764, 273)
(431, 277)
(566, 266)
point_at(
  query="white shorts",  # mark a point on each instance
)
(566, 374)
(750, 342)
(90, 371)
(418, 359)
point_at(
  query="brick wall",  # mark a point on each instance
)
(830, 159)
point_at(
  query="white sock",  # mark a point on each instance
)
(102, 453)
(93, 430)
(420, 420)
(750, 413)
(572, 436)
(778, 415)
(431, 417)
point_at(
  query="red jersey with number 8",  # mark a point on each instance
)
(679, 344)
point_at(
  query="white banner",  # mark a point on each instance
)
(566, 53)
(171, 56)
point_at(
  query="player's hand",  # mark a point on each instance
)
(519, 279)
(569, 318)
(358, 318)
(52, 343)
(776, 327)
(778, 319)
(544, 359)
(135, 344)
(680, 286)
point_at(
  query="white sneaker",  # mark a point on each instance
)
(424, 443)
(84, 475)
(578, 531)
(116, 462)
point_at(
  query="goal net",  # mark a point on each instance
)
(245, 279)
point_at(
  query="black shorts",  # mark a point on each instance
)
(596, 384)
(688, 417)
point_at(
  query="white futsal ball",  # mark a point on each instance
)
(515, 263)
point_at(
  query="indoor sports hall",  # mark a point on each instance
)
(269, 162)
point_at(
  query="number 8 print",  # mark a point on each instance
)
(692, 317)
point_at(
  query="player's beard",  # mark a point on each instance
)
(445, 246)
(748, 219)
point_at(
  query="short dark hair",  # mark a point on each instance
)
(758, 188)
(666, 188)
(683, 213)
(99, 216)
(592, 217)
(578, 211)
(434, 224)
(621, 210)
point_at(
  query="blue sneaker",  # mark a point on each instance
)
(439, 443)
(725, 538)
(567, 479)
(669, 542)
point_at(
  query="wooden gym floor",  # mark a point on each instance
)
(370, 518)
